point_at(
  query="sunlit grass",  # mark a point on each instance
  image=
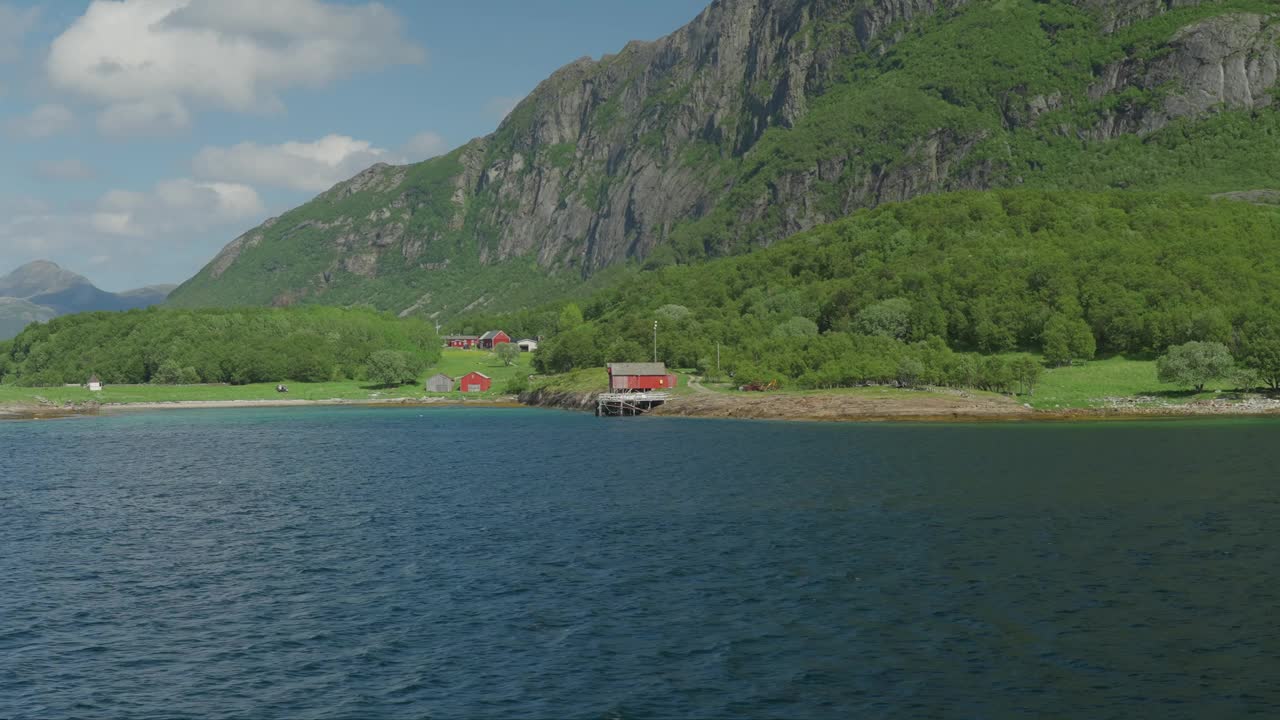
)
(454, 363)
(1089, 384)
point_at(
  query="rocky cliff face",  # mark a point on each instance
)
(1224, 62)
(758, 119)
(618, 127)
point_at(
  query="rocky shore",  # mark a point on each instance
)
(910, 407)
(837, 407)
(562, 399)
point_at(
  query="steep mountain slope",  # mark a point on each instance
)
(16, 314)
(762, 118)
(41, 290)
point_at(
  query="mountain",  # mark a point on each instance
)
(38, 278)
(764, 118)
(16, 314)
(41, 290)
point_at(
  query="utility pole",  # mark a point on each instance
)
(655, 341)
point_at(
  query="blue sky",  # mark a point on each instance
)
(139, 136)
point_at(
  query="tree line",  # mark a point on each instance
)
(1064, 275)
(237, 346)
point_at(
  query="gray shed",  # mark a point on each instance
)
(440, 383)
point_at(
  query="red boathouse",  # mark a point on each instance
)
(475, 382)
(638, 377)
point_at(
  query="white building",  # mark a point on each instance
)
(95, 385)
(527, 345)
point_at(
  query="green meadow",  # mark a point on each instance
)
(454, 363)
(1089, 384)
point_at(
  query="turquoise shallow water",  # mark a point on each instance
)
(409, 563)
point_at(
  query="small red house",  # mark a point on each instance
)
(475, 382)
(466, 342)
(492, 338)
(638, 377)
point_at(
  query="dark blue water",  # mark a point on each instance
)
(407, 563)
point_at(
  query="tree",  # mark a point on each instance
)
(570, 318)
(1261, 353)
(796, 327)
(1026, 372)
(508, 353)
(889, 318)
(909, 371)
(1066, 339)
(169, 373)
(1195, 363)
(672, 313)
(388, 367)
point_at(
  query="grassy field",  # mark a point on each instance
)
(593, 379)
(456, 363)
(453, 363)
(1086, 384)
(1079, 386)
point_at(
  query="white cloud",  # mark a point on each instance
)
(44, 121)
(69, 169)
(425, 145)
(311, 166)
(157, 58)
(14, 24)
(129, 238)
(175, 206)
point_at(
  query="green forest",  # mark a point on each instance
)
(241, 346)
(941, 289)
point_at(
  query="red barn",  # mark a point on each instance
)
(492, 338)
(638, 377)
(475, 382)
(466, 342)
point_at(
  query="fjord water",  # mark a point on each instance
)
(410, 563)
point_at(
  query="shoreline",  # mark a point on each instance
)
(50, 412)
(797, 408)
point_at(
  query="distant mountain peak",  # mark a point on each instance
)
(39, 277)
(42, 289)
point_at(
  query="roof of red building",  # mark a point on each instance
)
(642, 369)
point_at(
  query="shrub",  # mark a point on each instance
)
(1195, 364)
(389, 367)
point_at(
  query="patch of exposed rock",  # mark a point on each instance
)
(1225, 62)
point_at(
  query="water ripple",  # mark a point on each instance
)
(352, 563)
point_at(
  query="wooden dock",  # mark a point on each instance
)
(629, 403)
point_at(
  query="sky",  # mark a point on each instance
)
(138, 137)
